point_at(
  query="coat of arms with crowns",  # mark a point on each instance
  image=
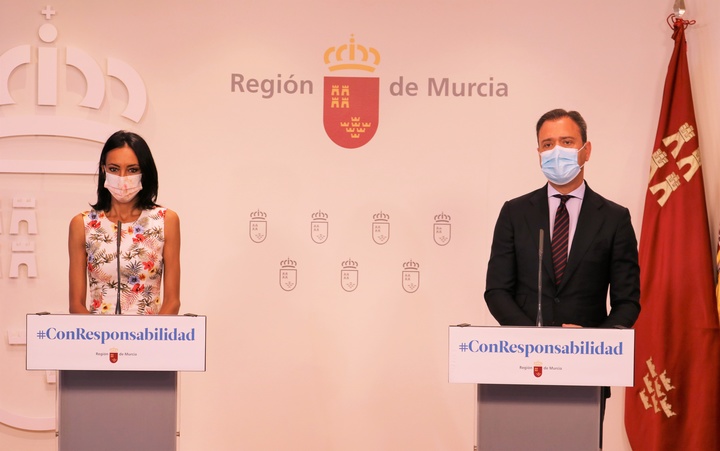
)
(351, 104)
(19, 119)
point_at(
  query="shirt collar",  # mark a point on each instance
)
(579, 192)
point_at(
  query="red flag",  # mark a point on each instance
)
(717, 275)
(675, 403)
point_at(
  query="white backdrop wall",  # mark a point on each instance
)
(321, 366)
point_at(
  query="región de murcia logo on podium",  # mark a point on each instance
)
(351, 104)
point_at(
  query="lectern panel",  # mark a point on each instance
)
(538, 417)
(117, 410)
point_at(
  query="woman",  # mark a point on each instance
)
(127, 234)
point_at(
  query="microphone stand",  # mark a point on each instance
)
(539, 320)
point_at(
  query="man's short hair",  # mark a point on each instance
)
(559, 113)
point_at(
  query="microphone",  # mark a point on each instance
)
(118, 306)
(541, 242)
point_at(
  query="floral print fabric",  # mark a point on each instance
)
(141, 262)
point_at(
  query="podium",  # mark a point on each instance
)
(118, 376)
(540, 388)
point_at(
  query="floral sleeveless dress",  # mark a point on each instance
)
(141, 262)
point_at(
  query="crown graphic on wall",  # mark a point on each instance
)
(258, 215)
(349, 264)
(381, 216)
(319, 216)
(47, 89)
(352, 56)
(288, 263)
(411, 265)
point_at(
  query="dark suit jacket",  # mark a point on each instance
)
(603, 254)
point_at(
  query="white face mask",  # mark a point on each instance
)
(123, 189)
(560, 164)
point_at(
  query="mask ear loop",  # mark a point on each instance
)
(583, 146)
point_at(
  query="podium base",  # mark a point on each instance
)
(538, 417)
(117, 410)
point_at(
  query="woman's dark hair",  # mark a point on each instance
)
(148, 194)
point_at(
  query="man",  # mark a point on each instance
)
(600, 249)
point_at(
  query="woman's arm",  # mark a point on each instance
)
(78, 265)
(171, 259)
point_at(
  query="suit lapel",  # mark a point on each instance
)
(588, 227)
(538, 217)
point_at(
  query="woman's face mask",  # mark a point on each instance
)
(123, 189)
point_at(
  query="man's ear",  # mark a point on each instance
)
(588, 151)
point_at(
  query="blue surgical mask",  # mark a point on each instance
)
(560, 165)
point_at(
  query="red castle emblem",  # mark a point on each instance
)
(113, 355)
(351, 104)
(538, 369)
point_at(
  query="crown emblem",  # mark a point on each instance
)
(442, 217)
(320, 216)
(352, 56)
(349, 264)
(411, 265)
(255, 215)
(381, 216)
(288, 263)
(47, 89)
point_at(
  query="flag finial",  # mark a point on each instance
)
(679, 8)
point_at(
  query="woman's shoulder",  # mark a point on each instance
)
(165, 213)
(77, 221)
(171, 218)
(87, 216)
(171, 224)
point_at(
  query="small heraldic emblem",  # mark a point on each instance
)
(441, 229)
(319, 227)
(537, 369)
(288, 274)
(381, 228)
(113, 355)
(258, 226)
(411, 276)
(351, 104)
(349, 275)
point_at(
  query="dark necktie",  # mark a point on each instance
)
(560, 238)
